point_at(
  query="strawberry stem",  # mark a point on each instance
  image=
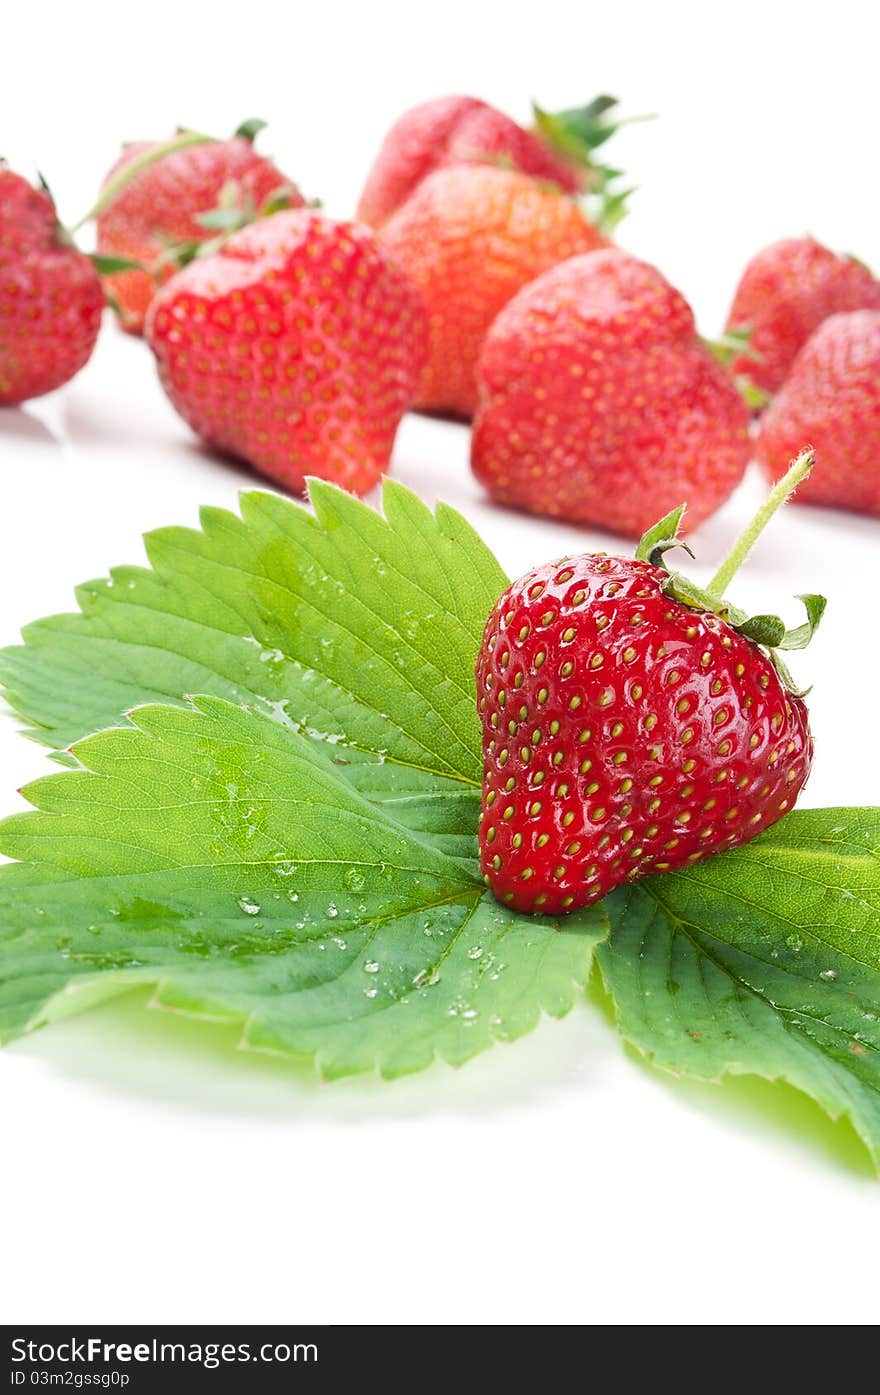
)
(114, 187)
(796, 472)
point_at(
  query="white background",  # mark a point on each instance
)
(149, 1173)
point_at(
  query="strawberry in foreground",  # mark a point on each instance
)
(632, 722)
(155, 197)
(50, 295)
(296, 347)
(831, 398)
(463, 130)
(598, 403)
(786, 292)
(469, 238)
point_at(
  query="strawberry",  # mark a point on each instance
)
(50, 295)
(785, 293)
(155, 196)
(599, 404)
(469, 238)
(297, 347)
(831, 398)
(629, 727)
(460, 130)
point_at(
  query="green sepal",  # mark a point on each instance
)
(44, 185)
(680, 588)
(768, 630)
(755, 398)
(799, 639)
(577, 131)
(575, 134)
(666, 531)
(279, 199)
(250, 129)
(611, 211)
(108, 266)
(225, 219)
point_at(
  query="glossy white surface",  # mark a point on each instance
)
(150, 1174)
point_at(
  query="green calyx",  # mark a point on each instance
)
(575, 134)
(577, 131)
(768, 631)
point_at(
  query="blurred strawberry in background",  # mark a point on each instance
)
(167, 194)
(558, 149)
(831, 399)
(297, 347)
(785, 293)
(469, 238)
(599, 403)
(50, 295)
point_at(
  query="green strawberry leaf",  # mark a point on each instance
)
(764, 961)
(359, 630)
(222, 857)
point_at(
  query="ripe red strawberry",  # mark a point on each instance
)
(625, 732)
(296, 347)
(460, 130)
(50, 295)
(599, 404)
(831, 398)
(160, 207)
(786, 292)
(469, 238)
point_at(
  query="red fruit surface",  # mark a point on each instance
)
(831, 401)
(50, 295)
(469, 238)
(623, 734)
(599, 404)
(786, 292)
(297, 347)
(452, 131)
(161, 206)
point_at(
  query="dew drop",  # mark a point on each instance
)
(248, 906)
(829, 975)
